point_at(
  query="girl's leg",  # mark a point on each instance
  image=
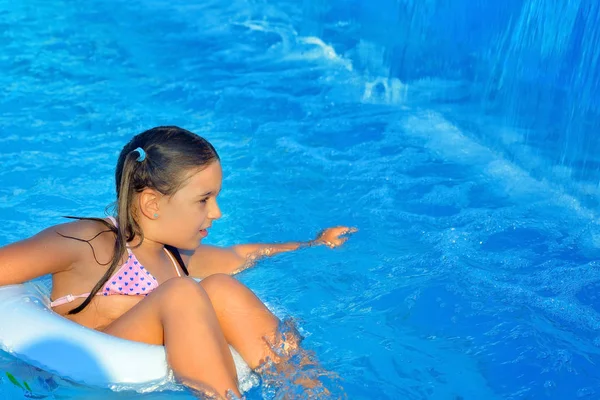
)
(252, 330)
(180, 315)
(245, 320)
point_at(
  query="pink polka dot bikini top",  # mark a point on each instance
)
(131, 279)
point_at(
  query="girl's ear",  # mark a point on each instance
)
(149, 203)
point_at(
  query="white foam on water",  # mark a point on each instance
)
(450, 143)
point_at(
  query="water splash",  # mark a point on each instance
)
(297, 373)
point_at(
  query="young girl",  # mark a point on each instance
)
(129, 276)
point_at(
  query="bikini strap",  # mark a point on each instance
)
(67, 299)
(173, 261)
(175, 252)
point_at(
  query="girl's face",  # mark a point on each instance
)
(186, 215)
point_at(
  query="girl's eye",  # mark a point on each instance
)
(204, 200)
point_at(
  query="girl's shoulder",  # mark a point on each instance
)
(99, 233)
(55, 249)
(85, 227)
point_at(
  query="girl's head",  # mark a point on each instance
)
(167, 182)
(166, 192)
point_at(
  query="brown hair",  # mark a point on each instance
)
(170, 151)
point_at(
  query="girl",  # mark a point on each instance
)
(129, 276)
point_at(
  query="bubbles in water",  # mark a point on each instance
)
(585, 392)
(385, 91)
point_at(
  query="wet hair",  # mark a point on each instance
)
(170, 153)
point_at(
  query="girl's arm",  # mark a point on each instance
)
(45, 253)
(208, 260)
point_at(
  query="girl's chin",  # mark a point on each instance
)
(190, 246)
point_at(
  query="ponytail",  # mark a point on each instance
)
(125, 229)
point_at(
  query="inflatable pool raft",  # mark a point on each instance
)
(32, 332)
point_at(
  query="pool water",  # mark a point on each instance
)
(474, 274)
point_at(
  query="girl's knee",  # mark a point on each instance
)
(183, 292)
(219, 282)
(221, 287)
(227, 293)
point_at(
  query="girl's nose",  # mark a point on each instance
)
(215, 211)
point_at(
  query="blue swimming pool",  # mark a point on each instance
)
(460, 139)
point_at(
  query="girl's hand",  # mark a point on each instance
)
(334, 237)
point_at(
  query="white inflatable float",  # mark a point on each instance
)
(32, 332)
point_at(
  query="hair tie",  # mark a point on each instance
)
(142, 156)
